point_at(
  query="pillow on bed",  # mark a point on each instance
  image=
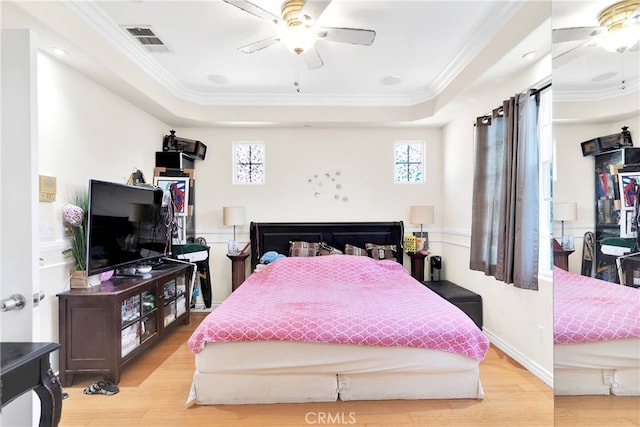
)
(381, 251)
(354, 250)
(305, 249)
(326, 249)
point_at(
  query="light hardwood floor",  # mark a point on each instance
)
(154, 389)
(597, 411)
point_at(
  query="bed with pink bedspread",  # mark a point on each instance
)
(335, 327)
(596, 336)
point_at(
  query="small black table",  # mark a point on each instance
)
(25, 367)
(467, 301)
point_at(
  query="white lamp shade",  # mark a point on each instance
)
(421, 214)
(565, 211)
(233, 215)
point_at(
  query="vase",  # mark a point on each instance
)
(80, 280)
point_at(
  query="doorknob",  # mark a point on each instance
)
(14, 302)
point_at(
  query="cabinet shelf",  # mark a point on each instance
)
(104, 327)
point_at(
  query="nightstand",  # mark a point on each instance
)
(561, 255)
(237, 269)
(417, 265)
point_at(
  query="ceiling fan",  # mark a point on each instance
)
(618, 31)
(297, 29)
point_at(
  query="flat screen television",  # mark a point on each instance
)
(127, 225)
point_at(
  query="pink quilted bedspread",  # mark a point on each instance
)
(341, 299)
(590, 310)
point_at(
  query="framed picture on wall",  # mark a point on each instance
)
(628, 182)
(589, 147)
(629, 185)
(179, 188)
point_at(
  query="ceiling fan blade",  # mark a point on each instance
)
(259, 45)
(254, 10)
(357, 36)
(569, 55)
(312, 58)
(312, 9)
(561, 35)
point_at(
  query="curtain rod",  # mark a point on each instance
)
(536, 91)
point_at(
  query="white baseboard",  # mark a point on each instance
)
(537, 370)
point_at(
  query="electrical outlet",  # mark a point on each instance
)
(541, 334)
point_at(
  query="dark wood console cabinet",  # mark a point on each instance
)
(104, 327)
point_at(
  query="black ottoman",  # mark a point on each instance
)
(467, 301)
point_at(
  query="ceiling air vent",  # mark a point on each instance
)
(147, 38)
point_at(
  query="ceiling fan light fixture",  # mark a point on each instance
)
(622, 31)
(298, 38)
(621, 39)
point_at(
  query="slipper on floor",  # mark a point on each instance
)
(102, 387)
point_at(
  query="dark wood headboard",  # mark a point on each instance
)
(275, 236)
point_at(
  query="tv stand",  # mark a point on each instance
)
(104, 327)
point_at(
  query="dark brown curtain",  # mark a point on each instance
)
(505, 224)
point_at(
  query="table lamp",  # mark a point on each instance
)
(233, 215)
(565, 211)
(421, 215)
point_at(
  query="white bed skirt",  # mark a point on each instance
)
(294, 372)
(597, 368)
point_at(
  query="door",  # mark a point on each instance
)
(18, 202)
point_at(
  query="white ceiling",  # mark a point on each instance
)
(439, 50)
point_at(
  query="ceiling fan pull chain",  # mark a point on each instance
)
(623, 83)
(296, 77)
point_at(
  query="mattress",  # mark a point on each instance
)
(596, 336)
